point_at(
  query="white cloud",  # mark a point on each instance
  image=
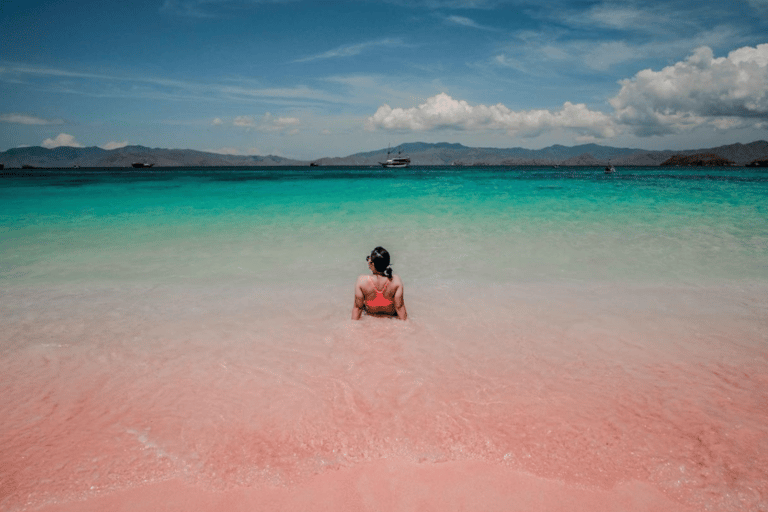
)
(286, 125)
(61, 139)
(618, 16)
(353, 49)
(28, 119)
(212, 8)
(269, 123)
(660, 18)
(442, 111)
(466, 22)
(217, 122)
(163, 88)
(661, 34)
(727, 123)
(244, 121)
(722, 93)
(279, 123)
(696, 91)
(114, 145)
(604, 55)
(448, 4)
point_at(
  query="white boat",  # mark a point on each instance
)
(396, 162)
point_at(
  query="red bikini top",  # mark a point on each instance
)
(380, 301)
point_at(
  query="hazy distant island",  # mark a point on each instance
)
(420, 153)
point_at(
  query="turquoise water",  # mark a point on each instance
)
(479, 224)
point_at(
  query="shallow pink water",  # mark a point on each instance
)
(544, 397)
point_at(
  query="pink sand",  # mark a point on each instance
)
(599, 398)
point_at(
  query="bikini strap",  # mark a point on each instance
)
(370, 278)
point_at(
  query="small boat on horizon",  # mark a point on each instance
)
(610, 169)
(141, 165)
(397, 162)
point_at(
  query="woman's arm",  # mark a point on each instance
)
(402, 314)
(357, 309)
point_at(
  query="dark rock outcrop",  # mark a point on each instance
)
(761, 162)
(698, 160)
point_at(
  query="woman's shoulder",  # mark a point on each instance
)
(396, 280)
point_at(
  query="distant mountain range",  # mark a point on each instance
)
(124, 157)
(420, 153)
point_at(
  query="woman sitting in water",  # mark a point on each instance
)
(380, 294)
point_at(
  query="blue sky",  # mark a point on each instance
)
(308, 79)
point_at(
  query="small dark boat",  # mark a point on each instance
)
(27, 166)
(610, 169)
(314, 164)
(141, 165)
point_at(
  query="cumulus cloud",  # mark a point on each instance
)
(442, 111)
(114, 145)
(28, 119)
(217, 122)
(698, 90)
(722, 93)
(61, 139)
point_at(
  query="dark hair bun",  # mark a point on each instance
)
(380, 259)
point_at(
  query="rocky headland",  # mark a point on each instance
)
(761, 162)
(698, 160)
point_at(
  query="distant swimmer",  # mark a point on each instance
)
(381, 293)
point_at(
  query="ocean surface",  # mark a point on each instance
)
(180, 339)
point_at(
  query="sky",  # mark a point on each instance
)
(310, 79)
